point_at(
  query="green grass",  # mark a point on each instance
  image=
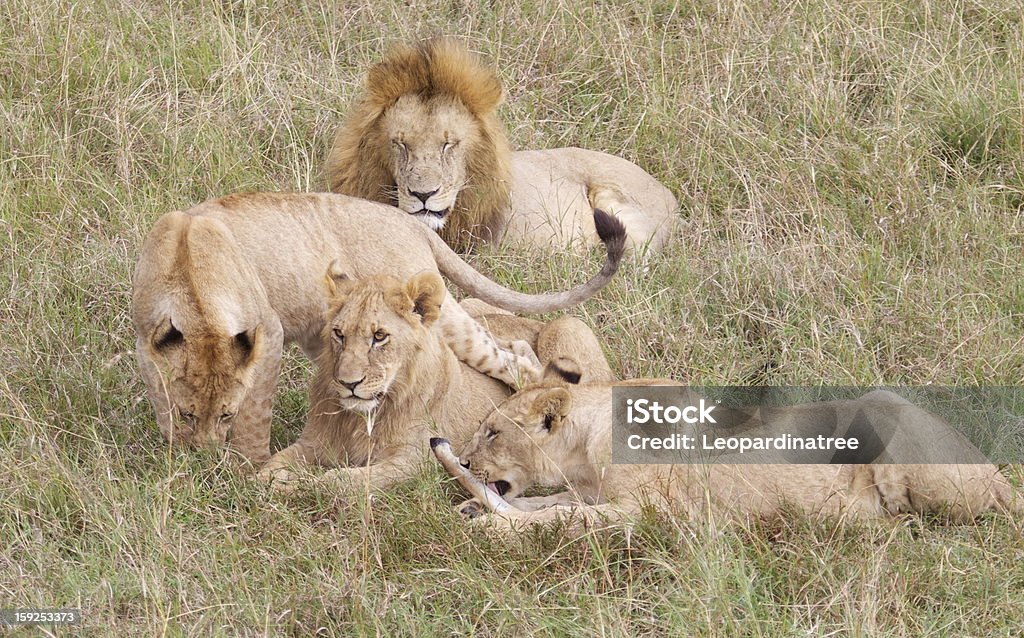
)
(851, 175)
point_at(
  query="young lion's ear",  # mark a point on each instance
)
(563, 369)
(336, 280)
(553, 405)
(246, 345)
(427, 292)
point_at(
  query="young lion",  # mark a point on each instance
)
(385, 378)
(558, 434)
(219, 289)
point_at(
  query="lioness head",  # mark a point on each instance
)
(425, 137)
(375, 327)
(523, 441)
(207, 374)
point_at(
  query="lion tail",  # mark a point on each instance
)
(609, 229)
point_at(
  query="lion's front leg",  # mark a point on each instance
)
(577, 518)
(281, 471)
(156, 391)
(471, 508)
(250, 430)
(380, 475)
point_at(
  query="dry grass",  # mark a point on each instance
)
(852, 175)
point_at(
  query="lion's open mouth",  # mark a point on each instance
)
(500, 487)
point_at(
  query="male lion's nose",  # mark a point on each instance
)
(423, 197)
(351, 385)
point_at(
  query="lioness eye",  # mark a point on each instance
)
(227, 416)
(448, 146)
(339, 336)
(186, 415)
(380, 337)
(491, 434)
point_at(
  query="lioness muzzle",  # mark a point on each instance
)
(443, 451)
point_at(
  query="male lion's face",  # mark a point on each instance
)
(375, 328)
(429, 142)
(522, 442)
(207, 379)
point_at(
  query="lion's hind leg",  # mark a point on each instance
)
(645, 230)
(962, 492)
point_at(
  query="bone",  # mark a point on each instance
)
(493, 501)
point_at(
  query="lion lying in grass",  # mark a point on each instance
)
(220, 289)
(425, 136)
(385, 380)
(559, 434)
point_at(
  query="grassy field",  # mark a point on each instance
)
(852, 180)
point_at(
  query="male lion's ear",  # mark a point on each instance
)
(564, 369)
(336, 280)
(554, 406)
(426, 290)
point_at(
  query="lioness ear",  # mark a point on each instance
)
(563, 369)
(246, 344)
(427, 292)
(336, 280)
(554, 406)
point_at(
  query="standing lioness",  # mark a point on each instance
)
(219, 289)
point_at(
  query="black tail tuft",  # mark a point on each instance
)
(612, 234)
(436, 441)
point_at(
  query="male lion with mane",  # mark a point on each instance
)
(425, 136)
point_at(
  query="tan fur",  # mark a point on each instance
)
(427, 121)
(513, 445)
(219, 289)
(375, 432)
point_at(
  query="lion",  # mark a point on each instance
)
(425, 136)
(559, 434)
(221, 288)
(385, 379)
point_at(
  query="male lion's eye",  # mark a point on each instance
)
(339, 336)
(380, 337)
(491, 434)
(448, 146)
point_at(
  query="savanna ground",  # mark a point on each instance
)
(852, 179)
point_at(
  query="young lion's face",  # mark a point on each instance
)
(374, 330)
(522, 442)
(429, 141)
(206, 380)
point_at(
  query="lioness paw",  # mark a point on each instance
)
(470, 509)
(528, 368)
(280, 479)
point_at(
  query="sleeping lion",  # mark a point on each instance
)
(559, 434)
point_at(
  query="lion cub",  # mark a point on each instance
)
(386, 379)
(559, 434)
